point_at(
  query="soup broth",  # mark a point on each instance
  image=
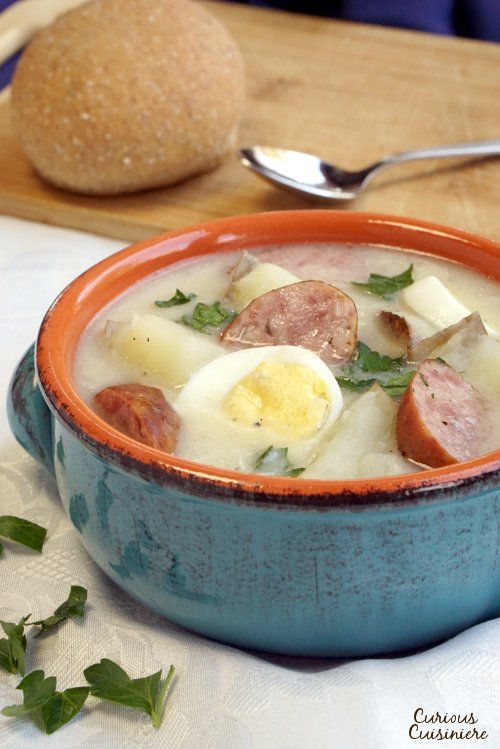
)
(281, 395)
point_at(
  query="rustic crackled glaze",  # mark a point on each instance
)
(301, 567)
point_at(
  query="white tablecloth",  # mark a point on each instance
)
(222, 698)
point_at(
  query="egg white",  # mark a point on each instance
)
(208, 435)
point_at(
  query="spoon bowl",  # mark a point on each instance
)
(309, 175)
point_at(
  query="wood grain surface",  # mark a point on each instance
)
(349, 92)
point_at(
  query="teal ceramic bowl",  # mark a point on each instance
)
(327, 568)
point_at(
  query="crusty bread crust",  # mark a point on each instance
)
(123, 95)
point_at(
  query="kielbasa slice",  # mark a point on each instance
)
(311, 314)
(439, 417)
(141, 412)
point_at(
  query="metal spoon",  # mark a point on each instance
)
(310, 175)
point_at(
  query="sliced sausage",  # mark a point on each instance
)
(311, 314)
(397, 324)
(141, 412)
(439, 417)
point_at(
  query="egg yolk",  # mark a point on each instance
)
(289, 399)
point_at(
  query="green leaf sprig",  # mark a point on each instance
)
(110, 682)
(13, 647)
(274, 462)
(107, 679)
(355, 386)
(394, 387)
(22, 532)
(53, 709)
(42, 700)
(369, 361)
(178, 298)
(208, 316)
(386, 286)
(397, 385)
(73, 606)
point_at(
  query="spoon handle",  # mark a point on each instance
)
(477, 148)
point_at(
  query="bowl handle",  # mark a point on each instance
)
(29, 416)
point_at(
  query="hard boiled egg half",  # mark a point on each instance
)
(235, 407)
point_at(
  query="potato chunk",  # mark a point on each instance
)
(262, 278)
(434, 302)
(163, 348)
(364, 443)
(477, 360)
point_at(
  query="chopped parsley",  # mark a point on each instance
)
(386, 286)
(424, 380)
(178, 298)
(208, 316)
(356, 386)
(274, 462)
(394, 387)
(371, 361)
(397, 385)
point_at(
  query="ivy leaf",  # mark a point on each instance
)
(22, 532)
(110, 682)
(274, 462)
(369, 360)
(208, 315)
(72, 607)
(178, 298)
(41, 699)
(386, 286)
(13, 647)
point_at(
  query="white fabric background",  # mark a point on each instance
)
(222, 698)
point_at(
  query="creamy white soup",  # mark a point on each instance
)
(310, 361)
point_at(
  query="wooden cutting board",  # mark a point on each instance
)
(348, 92)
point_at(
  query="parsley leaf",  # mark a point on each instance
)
(178, 298)
(36, 691)
(208, 315)
(13, 647)
(397, 385)
(356, 386)
(41, 699)
(424, 380)
(386, 286)
(371, 361)
(73, 606)
(62, 707)
(367, 360)
(22, 532)
(110, 682)
(274, 462)
(394, 387)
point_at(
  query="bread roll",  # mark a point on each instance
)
(122, 95)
